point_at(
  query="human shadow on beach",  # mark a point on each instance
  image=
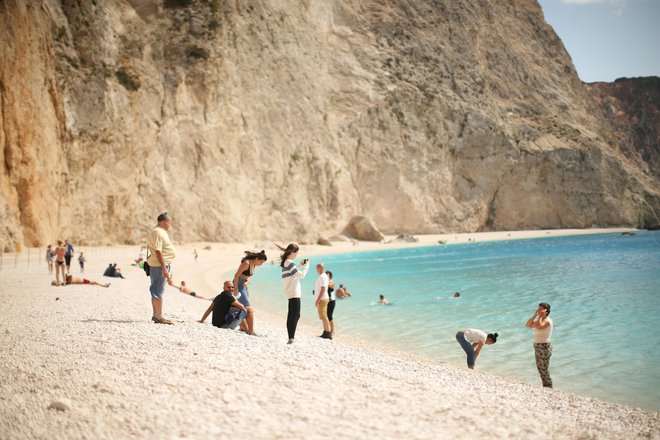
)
(111, 321)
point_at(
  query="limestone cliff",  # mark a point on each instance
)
(255, 119)
(632, 106)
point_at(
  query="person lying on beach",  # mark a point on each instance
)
(71, 280)
(470, 338)
(228, 312)
(342, 292)
(383, 301)
(188, 291)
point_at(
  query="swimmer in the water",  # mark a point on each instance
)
(342, 292)
(456, 295)
(383, 301)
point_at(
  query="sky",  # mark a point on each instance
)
(608, 39)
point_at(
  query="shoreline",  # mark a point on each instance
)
(129, 378)
(211, 281)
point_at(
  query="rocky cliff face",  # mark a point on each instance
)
(632, 106)
(254, 119)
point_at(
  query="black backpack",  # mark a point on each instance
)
(145, 265)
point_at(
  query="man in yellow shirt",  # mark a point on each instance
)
(162, 255)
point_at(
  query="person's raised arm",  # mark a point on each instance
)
(530, 321)
(302, 270)
(206, 314)
(542, 322)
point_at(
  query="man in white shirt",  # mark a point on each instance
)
(322, 298)
(542, 325)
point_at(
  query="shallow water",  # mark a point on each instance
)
(604, 291)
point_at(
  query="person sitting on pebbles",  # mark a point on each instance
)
(113, 271)
(188, 291)
(70, 279)
(228, 312)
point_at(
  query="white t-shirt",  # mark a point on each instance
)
(543, 335)
(473, 335)
(321, 281)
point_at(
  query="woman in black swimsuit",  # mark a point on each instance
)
(241, 278)
(60, 267)
(332, 302)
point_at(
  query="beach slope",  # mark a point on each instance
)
(129, 378)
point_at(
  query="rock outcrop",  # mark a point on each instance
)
(253, 119)
(362, 228)
(632, 106)
(323, 242)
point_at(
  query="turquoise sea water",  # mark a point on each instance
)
(604, 291)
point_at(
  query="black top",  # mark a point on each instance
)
(247, 272)
(221, 305)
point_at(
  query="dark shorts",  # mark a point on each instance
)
(193, 294)
(67, 258)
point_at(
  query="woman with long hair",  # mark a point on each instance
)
(472, 341)
(291, 276)
(245, 270)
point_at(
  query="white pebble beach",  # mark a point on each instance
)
(126, 377)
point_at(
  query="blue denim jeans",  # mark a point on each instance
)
(242, 289)
(234, 318)
(158, 282)
(467, 347)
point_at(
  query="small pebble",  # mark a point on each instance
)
(60, 404)
(57, 299)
